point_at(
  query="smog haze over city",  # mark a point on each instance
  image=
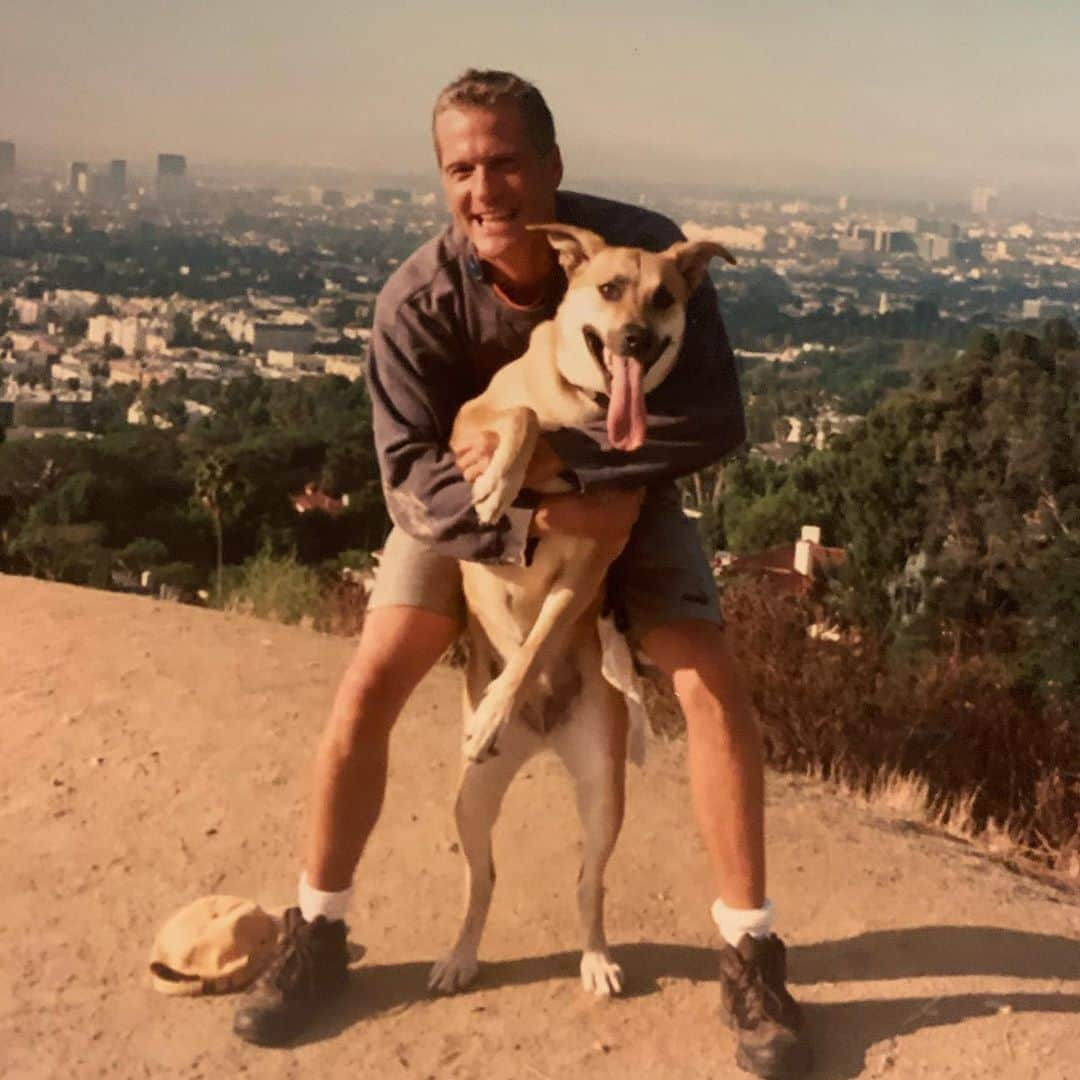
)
(779, 96)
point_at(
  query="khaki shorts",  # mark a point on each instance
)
(662, 575)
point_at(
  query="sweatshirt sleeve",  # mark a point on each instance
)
(695, 417)
(417, 379)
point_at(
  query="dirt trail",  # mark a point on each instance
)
(158, 752)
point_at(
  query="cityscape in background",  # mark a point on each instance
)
(110, 274)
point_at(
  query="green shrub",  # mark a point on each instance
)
(275, 587)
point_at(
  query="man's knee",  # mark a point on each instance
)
(690, 646)
(397, 648)
(696, 657)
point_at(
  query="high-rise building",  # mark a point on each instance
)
(79, 178)
(7, 231)
(391, 196)
(934, 248)
(984, 200)
(171, 165)
(171, 175)
(117, 175)
(7, 163)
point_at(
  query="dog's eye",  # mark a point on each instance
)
(611, 290)
(662, 299)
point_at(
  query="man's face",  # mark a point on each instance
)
(496, 182)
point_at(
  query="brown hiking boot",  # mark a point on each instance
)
(310, 970)
(757, 1006)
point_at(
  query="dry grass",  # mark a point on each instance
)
(342, 608)
(947, 743)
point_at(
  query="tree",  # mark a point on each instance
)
(142, 553)
(75, 327)
(982, 345)
(216, 489)
(184, 335)
(1060, 334)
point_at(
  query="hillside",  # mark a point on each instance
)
(158, 752)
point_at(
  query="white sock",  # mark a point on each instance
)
(314, 902)
(733, 923)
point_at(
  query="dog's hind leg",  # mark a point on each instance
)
(592, 744)
(479, 798)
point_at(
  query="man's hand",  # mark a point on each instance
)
(606, 516)
(474, 456)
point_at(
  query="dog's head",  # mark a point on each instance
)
(621, 322)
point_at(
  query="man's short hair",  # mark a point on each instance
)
(484, 89)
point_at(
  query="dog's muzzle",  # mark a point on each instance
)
(633, 340)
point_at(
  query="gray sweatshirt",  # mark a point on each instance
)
(439, 334)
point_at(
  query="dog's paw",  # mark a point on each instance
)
(491, 499)
(479, 744)
(453, 972)
(486, 723)
(496, 488)
(600, 974)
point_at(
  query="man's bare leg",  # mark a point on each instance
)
(728, 788)
(726, 757)
(398, 646)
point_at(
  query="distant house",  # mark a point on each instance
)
(284, 337)
(311, 498)
(789, 568)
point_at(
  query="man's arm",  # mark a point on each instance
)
(695, 417)
(418, 379)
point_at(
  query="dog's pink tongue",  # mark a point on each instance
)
(626, 410)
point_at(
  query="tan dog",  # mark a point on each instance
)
(534, 676)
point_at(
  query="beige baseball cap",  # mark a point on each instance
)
(214, 945)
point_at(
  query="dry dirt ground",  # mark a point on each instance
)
(155, 753)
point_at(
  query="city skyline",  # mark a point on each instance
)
(775, 97)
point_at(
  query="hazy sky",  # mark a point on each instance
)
(920, 98)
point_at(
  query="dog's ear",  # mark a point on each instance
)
(692, 257)
(575, 246)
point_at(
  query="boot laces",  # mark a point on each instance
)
(755, 998)
(295, 971)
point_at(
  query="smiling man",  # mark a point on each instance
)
(494, 190)
(457, 310)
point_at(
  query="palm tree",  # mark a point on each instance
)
(215, 487)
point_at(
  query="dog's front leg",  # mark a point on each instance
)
(498, 485)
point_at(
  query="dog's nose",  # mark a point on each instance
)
(634, 340)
